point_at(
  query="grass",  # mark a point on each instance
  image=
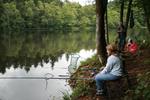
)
(66, 96)
(80, 90)
(93, 61)
(83, 87)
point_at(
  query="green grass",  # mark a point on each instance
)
(93, 61)
(80, 90)
(66, 96)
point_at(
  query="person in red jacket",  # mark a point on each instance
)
(132, 47)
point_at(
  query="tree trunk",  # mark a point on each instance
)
(1, 13)
(131, 19)
(121, 11)
(146, 15)
(128, 16)
(106, 21)
(100, 31)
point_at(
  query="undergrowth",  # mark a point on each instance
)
(142, 89)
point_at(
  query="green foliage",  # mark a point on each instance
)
(113, 18)
(83, 87)
(11, 18)
(138, 13)
(141, 36)
(93, 61)
(55, 15)
(80, 90)
(66, 96)
(49, 14)
(142, 89)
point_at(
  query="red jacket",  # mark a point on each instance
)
(132, 47)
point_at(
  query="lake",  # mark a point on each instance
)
(38, 55)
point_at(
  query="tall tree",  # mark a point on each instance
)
(146, 7)
(100, 30)
(128, 15)
(1, 10)
(106, 19)
(121, 10)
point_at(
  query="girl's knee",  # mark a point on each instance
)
(97, 77)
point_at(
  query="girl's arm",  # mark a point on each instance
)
(108, 66)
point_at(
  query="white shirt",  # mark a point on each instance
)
(114, 66)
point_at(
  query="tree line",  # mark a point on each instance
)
(45, 14)
(55, 14)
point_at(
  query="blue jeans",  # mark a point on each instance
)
(100, 78)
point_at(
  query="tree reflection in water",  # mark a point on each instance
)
(25, 49)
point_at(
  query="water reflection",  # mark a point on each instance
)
(37, 89)
(34, 55)
(25, 50)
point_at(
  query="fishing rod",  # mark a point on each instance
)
(49, 76)
(46, 78)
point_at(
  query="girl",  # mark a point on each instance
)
(112, 71)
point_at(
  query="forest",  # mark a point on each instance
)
(57, 15)
(34, 32)
(45, 15)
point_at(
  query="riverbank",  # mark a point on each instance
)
(138, 68)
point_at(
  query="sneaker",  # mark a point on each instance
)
(99, 92)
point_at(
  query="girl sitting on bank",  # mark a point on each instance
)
(112, 71)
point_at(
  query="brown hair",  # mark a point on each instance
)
(112, 48)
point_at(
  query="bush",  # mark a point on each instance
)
(142, 90)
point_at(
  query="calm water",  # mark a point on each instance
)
(36, 55)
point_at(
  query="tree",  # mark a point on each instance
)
(121, 10)
(146, 7)
(1, 10)
(128, 15)
(100, 30)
